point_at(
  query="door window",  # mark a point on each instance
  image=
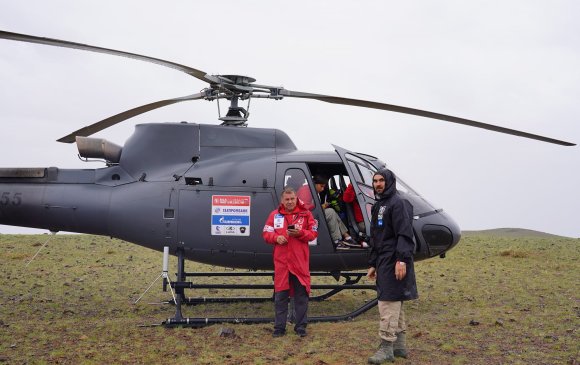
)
(362, 174)
(296, 179)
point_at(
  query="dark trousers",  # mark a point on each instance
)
(300, 306)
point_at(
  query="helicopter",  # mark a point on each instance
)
(204, 191)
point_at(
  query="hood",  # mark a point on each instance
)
(390, 181)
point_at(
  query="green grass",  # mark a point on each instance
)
(74, 304)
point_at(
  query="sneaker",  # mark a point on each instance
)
(350, 242)
(341, 246)
(278, 333)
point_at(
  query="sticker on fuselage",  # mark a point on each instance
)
(230, 215)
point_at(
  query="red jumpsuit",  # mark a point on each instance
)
(294, 256)
(350, 197)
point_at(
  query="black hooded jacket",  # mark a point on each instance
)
(392, 241)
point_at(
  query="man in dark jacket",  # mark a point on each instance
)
(391, 264)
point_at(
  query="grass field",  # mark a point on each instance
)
(512, 299)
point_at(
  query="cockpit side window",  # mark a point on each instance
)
(363, 174)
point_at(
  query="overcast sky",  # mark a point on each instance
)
(510, 63)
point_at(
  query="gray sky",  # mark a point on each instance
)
(510, 63)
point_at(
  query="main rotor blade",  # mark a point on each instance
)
(85, 47)
(421, 113)
(106, 123)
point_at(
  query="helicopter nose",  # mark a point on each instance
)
(438, 231)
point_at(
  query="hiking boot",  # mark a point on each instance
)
(301, 332)
(383, 354)
(399, 346)
(278, 333)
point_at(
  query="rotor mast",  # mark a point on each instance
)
(236, 116)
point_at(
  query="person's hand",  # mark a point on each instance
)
(292, 232)
(324, 205)
(372, 273)
(281, 240)
(400, 270)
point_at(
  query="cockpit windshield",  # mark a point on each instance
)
(363, 175)
(402, 186)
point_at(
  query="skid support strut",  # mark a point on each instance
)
(179, 290)
(352, 283)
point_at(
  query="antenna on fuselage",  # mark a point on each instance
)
(52, 234)
(164, 274)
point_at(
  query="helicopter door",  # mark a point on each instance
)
(296, 176)
(361, 174)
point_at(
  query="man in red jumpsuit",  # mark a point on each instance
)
(289, 228)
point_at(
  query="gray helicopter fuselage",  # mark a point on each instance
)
(205, 188)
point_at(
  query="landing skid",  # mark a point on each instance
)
(352, 283)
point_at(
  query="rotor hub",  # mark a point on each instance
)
(238, 79)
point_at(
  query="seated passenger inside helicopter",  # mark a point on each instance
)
(340, 195)
(339, 232)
